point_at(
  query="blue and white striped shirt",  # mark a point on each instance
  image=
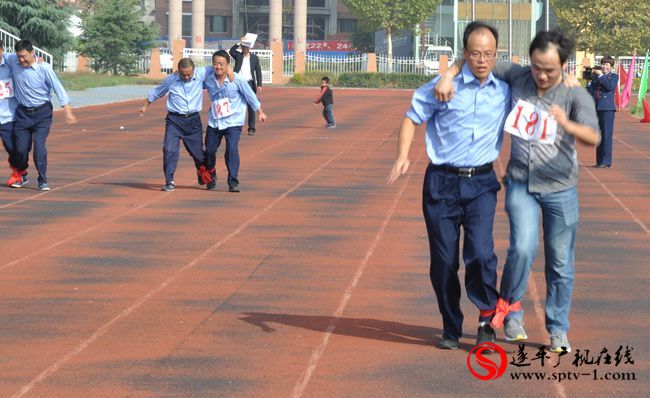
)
(238, 93)
(468, 130)
(35, 83)
(8, 102)
(183, 97)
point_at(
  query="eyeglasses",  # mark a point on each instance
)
(475, 55)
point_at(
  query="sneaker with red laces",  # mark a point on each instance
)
(21, 180)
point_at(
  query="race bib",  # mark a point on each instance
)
(6, 88)
(531, 123)
(222, 108)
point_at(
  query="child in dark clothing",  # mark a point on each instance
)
(327, 99)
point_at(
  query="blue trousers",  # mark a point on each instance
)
(213, 138)
(604, 149)
(251, 111)
(33, 124)
(8, 141)
(186, 129)
(560, 221)
(449, 202)
(328, 114)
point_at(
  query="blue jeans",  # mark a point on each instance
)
(328, 114)
(559, 223)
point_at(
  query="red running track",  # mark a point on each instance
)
(312, 282)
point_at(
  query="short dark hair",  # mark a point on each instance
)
(326, 79)
(2, 44)
(23, 45)
(476, 25)
(221, 53)
(607, 59)
(562, 43)
(185, 63)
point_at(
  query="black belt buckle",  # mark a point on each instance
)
(466, 172)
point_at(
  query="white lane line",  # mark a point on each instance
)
(316, 355)
(636, 219)
(138, 303)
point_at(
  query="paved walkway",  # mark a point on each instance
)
(105, 95)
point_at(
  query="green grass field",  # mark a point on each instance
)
(83, 81)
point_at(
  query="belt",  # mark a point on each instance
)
(188, 115)
(463, 171)
(34, 108)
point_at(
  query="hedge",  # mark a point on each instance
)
(362, 79)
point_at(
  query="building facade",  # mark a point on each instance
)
(231, 19)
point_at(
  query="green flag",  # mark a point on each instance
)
(643, 88)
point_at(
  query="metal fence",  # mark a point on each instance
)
(9, 40)
(203, 57)
(333, 64)
(402, 65)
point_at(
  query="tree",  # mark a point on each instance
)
(114, 37)
(43, 22)
(390, 15)
(615, 28)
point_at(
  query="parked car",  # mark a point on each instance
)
(431, 57)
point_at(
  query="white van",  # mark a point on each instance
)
(432, 55)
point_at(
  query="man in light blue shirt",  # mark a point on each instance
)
(184, 91)
(227, 117)
(33, 85)
(463, 138)
(8, 106)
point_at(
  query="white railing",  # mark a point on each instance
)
(203, 57)
(288, 65)
(336, 64)
(402, 65)
(333, 64)
(9, 40)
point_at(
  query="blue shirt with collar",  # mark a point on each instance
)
(184, 97)
(35, 83)
(468, 130)
(8, 102)
(239, 93)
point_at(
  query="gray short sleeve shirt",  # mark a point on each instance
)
(547, 167)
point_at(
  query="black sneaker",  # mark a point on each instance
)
(212, 185)
(233, 188)
(251, 131)
(485, 334)
(447, 344)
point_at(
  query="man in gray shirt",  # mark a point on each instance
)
(542, 175)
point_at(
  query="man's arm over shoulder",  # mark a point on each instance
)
(508, 71)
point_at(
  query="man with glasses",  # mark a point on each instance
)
(542, 176)
(463, 138)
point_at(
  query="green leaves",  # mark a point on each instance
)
(114, 37)
(390, 15)
(43, 22)
(615, 28)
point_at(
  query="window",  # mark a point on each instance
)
(187, 25)
(218, 24)
(347, 25)
(315, 3)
